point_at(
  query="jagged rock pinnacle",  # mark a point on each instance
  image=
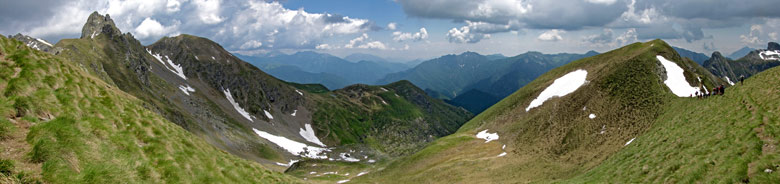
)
(99, 25)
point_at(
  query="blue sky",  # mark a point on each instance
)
(410, 29)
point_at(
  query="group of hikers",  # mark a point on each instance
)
(719, 90)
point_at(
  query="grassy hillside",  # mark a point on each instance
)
(557, 140)
(724, 139)
(62, 125)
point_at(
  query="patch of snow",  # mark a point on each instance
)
(312, 173)
(343, 181)
(362, 173)
(502, 154)
(196, 58)
(675, 79)
(187, 90)
(287, 164)
(629, 141)
(503, 147)
(383, 89)
(560, 87)
(383, 101)
(773, 55)
(94, 33)
(591, 116)
(371, 161)
(768, 170)
(308, 134)
(347, 158)
(44, 42)
(603, 129)
(729, 81)
(268, 114)
(294, 112)
(584, 108)
(212, 57)
(294, 147)
(177, 69)
(236, 106)
(487, 136)
(299, 92)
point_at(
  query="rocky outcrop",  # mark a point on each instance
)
(35, 43)
(99, 25)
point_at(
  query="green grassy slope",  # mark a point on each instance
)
(724, 139)
(82, 130)
(557, 140)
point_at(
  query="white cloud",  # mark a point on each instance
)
(173, 6)
(465, 35)
(553, 35)
(208, 11)
(326, 46)
(752, 37)
(401, 36)
(252, 44)
(151, 28)
(392, 26)
(605, 2)
(773, 36)
(630, 36)
(364, 42)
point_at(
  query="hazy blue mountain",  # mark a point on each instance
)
(695, 56)
(740, 53)
(319, 64)
(364, 57)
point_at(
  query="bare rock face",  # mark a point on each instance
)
(35, 43)
(773, 46)
(98, 24)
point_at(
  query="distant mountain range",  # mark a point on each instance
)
(456, 77)
(753, 62)
(740, 53)
(333, 72)
(695, 56)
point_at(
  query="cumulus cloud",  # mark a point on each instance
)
(752, 37)
(364, 42)
(465, 35)
(151, 28)
(252, 44)
(401, 36)
(602, 39)
(607, 38)
(208, 11)
(553, 35)
(392, 26)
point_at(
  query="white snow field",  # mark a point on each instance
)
(675, 79)
(502, 154)
(487, 136)
(560, 87)
(729, 81)
(268, 114)
(308, 134)
(294, 147)
(44, 42)
(177, 69)
(294, 112)
(591, 116)
(773, 55)
(187, 89)
(236, 106)
(299, 92)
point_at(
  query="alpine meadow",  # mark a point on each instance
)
(380, 91)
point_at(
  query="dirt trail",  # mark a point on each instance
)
(15, 147)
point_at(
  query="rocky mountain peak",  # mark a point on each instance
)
(98, 24)
(773, 46)
(35, 43)
(716, 54)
